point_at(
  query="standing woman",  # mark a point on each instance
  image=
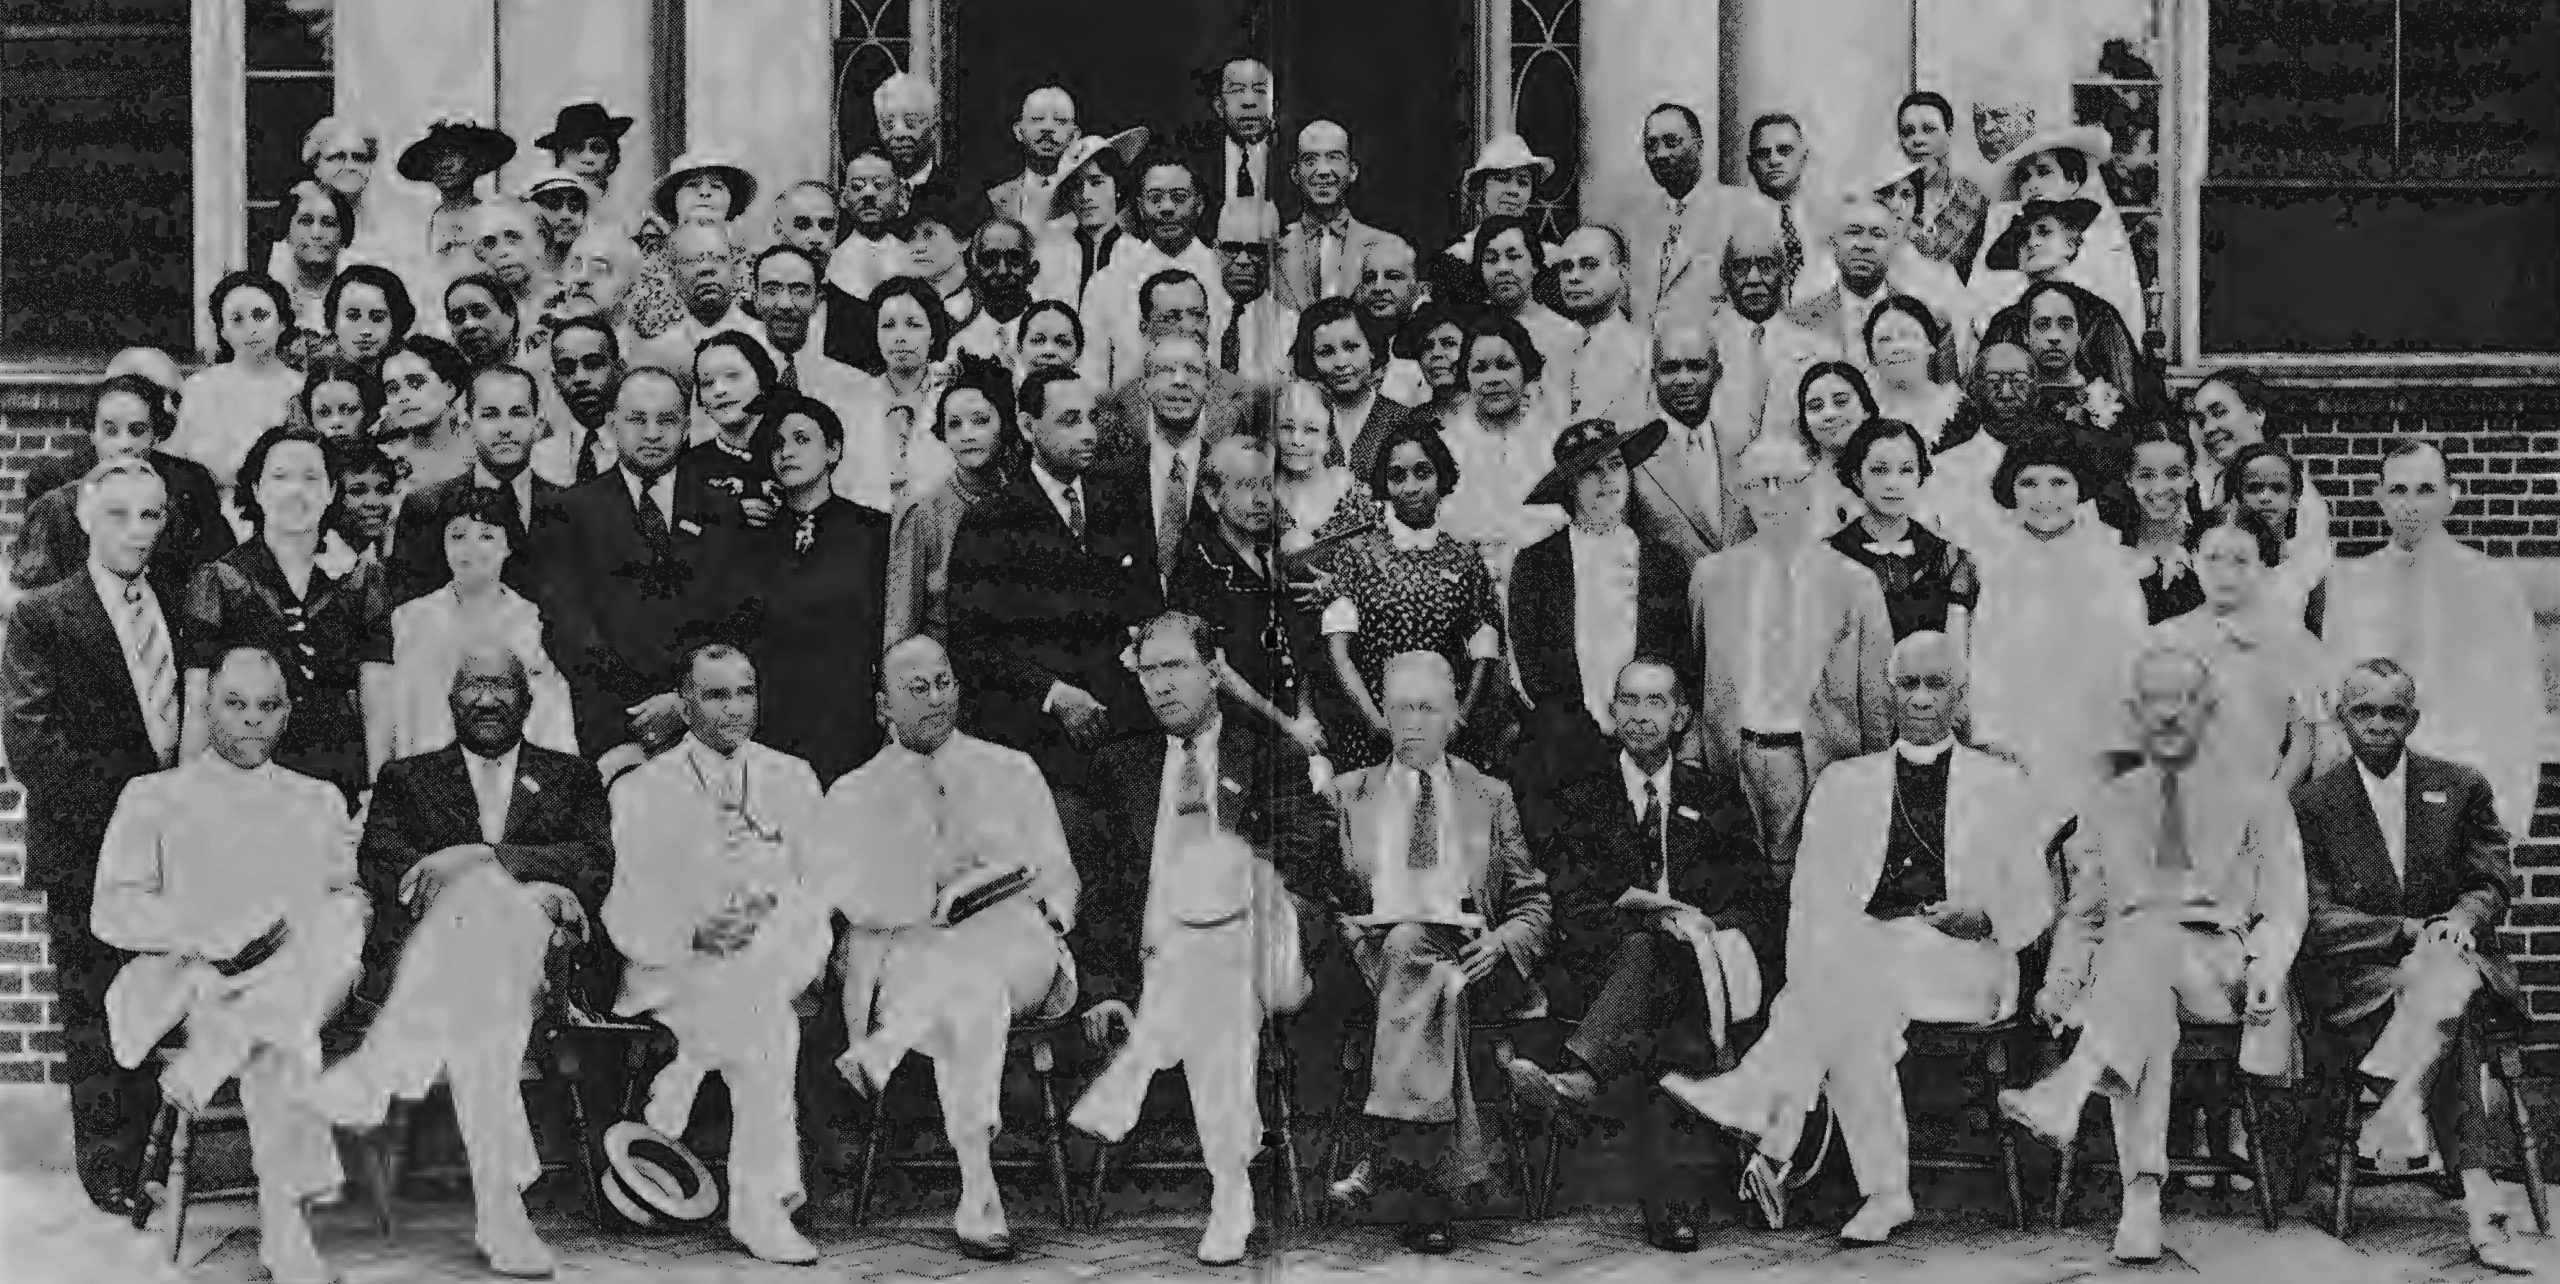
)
(1434, 339)
(826, 564)
(129, 416)
(697, 189)
(332, 635)
(429, 636)
(1911, 385)
(1948, 212)
(1311, 474)
(422, 382)
(1584, 602)
(1509, 261)
(249, 389)
(733, 376)
(341, 399)
(1052, 338)
(316, 237)
(1413, 587)
(976, 421)
(368, 310)
(890, 452)
(2272, 485)
(2166, 521)
(2270, 672)
(2229, 414)
(1832, 403)
(1503, 444)
(453, 156)
(1929, 584)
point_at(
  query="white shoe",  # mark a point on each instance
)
(507, 1239)
(1878, 1218)
(2138, 1231)
(1230, 1225)
(767, 1232)
(284, 1245)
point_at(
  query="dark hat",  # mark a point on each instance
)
(1587, 443)
(2077, 213)
(650, 1178)
(487, 149)
(579, 122)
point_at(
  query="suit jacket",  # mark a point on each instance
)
(51, 546)
(559, 830)
(74, 734)
(622, 619)
(1509, 889)
(2457, 858)
(1122, 421)
(1995, 857)
(1032, 606)
(1297, 269)
(417, 545)
(1203, 144)
(1542, 614)
(1697, 259)
(1851, 711)
(1260, 795)
(1598, 853)
(1668, 504)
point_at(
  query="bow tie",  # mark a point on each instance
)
(1898, 548)
(1923, 756)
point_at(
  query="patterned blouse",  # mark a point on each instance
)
(1923, 576)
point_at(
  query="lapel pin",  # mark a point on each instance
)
(1229, 785)
(528, 784)
(1687, 813)
(688, 526)
(2432, 795)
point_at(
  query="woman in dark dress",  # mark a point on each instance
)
(129, 416)
(333, 635)
(1406, 585)
(825, 565)
(1584, 602)
(2166, 520)
(1929, 584)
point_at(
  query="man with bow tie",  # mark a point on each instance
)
(1203, 824)
(489, 859)
(714, 903)
(1452, 919)
(931, 815)
(1921, 880)
(2187, 901)
(2410, 875)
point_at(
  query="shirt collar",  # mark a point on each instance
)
(2398, 779)
(1924, 755)
(1207, 739)
(504, 762)
(486, 480)
(1635, 777)
(663, 482)
(112, 587)
(1405, 538)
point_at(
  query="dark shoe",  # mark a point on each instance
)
(106, 1174)
(1428, 1238)
(1549, 1092)
(1677, 1230)
(997, 1248)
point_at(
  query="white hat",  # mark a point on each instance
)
(2091, 141)
(1081, 153)
(1507, 152)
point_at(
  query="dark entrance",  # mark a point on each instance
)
(1399, 74)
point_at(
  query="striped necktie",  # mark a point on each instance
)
(158, 685)
(1422, 845)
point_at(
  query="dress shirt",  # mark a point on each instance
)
(1700, 454)
(661, 492)
(1400, 892)
(1255, 160)
(1058, 492)
(1265, 330)
(1636, 780)
(860, 264)
(493, 781)
(1033, 194)
(2390, 798)
(1175, 898)
(519, 488)
(1778, 670)
(112, 591)
(1604, 614)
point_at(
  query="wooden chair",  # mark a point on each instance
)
(2210, 1049)
(1040, 1039)
(1995, 1055)
(2341, 1100)
(1279, 1137)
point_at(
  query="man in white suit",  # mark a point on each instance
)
(1919, 884)
(1677, 241)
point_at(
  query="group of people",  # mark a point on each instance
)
(1093, 596)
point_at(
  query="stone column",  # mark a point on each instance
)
(758, 83)
(219, 92)
(556, 52)
(1841, 65)
(400, 64)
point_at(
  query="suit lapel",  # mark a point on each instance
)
(89, 624)
(1679, 488)
(523, 798)
(1147, 792)
(2423, 845)
(1471, 831)
(2366, 850)
(1872, 798)
(452, 776)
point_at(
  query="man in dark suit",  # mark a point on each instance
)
(90, 679)
(481, 858)
(633, 570)
(1201, 931)
(504, 406)
(1218, 402)
(2410, 874)
(1641, 842)
(1047, 578)
(1237, 152)
(133, 416)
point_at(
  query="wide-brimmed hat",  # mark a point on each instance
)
(2076, 213)
(579, 122)
(1587, 443)
(547, 181)
(1128, 142)
(650, 1179)
(1507, 152)
(487, 149)
(742, 185)
(2088, 140)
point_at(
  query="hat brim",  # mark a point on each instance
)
(2078, 213)
(658, 1174)
(561, 140)
(488, 150)
(742, 189)
(1638, 446)
(1128, 143)
(2088, 140)
(1546, 169)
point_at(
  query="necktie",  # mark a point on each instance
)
(1422, 847)
(789, 375)
(1670, 251)
(1794, 240)
(586, 444)
(653, 524)
(159, 689)
(1231, 346)
(2173, 826)
(1191, 789)
(1244, 173)
(1329, 264)
(1075, 511)
(1169, 515)
(1651, 825)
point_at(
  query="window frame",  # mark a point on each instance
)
(2188, 146)
(224, 204)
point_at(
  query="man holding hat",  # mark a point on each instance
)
(1922, 878)
(1320, 254)
(1506, 174)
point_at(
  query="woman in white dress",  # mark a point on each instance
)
(430, 636)
(2270, 482)
(1832, 401)
(890, 452)
(2055, 166)
(248, 389)
(1504, 443)
(1913, 383)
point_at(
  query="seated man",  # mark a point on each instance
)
(234, 881)
(1654, 859)
(1201, 825)
(2187, 901)
(712, 904)
(2406, 970)
(1457, 914)
(1920, 882)
(484, 855)
(931, 815)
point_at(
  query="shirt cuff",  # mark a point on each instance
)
(1485, 645)
(1049, 702)
(1341, 617)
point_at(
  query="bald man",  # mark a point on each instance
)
(1043, 131)
(908, 115)
(1320, 253)
(1604, 377)
(1920, 881)
(1680, 494)
(935, 814)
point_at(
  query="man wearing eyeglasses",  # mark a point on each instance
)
(1793, 641)
(875, 201)
(1255, 344)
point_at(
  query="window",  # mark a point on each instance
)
(875, 39)
(2378, 176)
(290, 88)
(95, 205)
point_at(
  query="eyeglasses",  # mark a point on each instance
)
(2002, 380)
(1774, 485)
(803, 223)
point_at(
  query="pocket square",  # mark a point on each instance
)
(2432, 795)
(1229, 785)
(1687, 813)
(529, 784)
